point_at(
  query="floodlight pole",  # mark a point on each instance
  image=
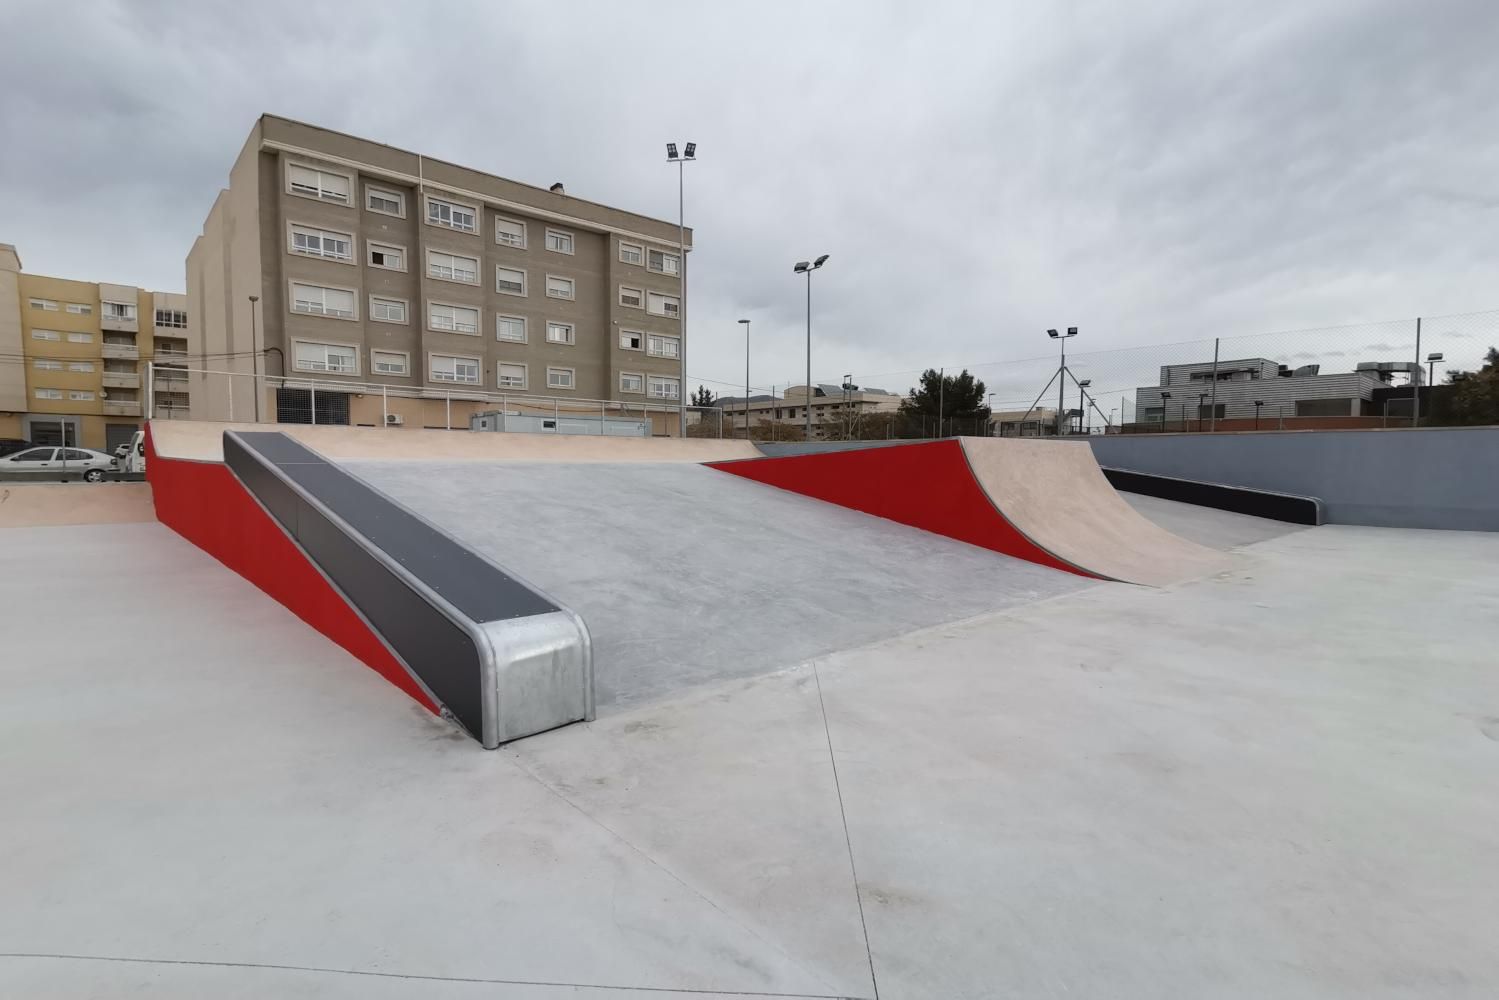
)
(689, 152)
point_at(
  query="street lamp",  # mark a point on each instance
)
(1257, 404)
(1431, 364)
(1082, 403)
(746, 324)
(1165, 404)
(254, 358)
(802, 267)
(991, 414)
(688, 153)
(1062, 374)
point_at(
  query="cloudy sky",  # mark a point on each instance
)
(1151, 172)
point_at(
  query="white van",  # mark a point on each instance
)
(132, 456)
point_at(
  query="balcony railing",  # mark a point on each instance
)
(122, 407)
(120, 352)
(128, 324)
(122, 380)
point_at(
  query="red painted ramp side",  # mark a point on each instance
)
(204, 503)
(928, 486)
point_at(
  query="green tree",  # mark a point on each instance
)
(1475, 395)
(703, 397)
(959, 396)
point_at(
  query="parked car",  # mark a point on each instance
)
(92, 464)
(9, 446)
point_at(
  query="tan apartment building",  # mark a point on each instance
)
(345, 262)
(833, 407)
(73, 356)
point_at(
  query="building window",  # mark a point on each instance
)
(174, 318)
(559, 333)
(631, 340)
(47, 365)
(1155, 414)
(631, 382)
(560, 378)
(559, 241)
(663, 347)
(385, 202)
(661, 305)
(510, 281)
(45, 335)
(510, 233)
(1324, 407)
(457, 319)
(453, 267)
(664, 388)
(80, 396)
(47, 393)
(77, 338)
(323, 185)
(452, 215)
(82, 366)
(83, 309)
(662, 262)
(511, 376)
(321, 243)
(511, 329)
(319, 300)
(389, 363)
(336, 359)
(631, 253)
(560, 288)
(385, 255)
(632, 297)
(385, 310)
(450, 368)
(46, 304)
(120, 312)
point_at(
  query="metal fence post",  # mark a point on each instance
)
(447, 411)
(1416, 380)
(230, 379)
(384, 407)
(312, 389)
(1213, 403)
(150, 389)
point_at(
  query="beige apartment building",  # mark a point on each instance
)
(73, 357)
(834, 408)
(342, 262)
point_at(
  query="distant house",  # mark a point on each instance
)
(1229, 389)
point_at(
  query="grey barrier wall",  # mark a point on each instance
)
(500, 658)
(1439, 477)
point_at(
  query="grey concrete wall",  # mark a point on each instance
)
(1444, 477)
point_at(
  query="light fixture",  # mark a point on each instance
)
(691, 150)
(820, 261)
(801, 266)
(671, 151)
(1072, 331)
(1434, 356)
(1052, 334)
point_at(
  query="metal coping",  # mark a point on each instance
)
(1286, 507)
(474, 586)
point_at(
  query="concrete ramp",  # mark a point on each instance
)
(1043, 501)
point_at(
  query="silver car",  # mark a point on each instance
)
(91, 464)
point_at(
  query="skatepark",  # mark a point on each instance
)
(939, 719)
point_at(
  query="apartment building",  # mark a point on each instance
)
(833, 407)
(73, 356)
(340, 261)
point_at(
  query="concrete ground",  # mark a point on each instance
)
(1276, 782)
(1217, 529)
(765, 579)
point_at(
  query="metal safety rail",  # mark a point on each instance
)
(499, 657)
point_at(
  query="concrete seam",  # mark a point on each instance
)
(847, 840)
(515, 758)
(274, 967)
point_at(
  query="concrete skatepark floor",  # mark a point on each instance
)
(1274, 782)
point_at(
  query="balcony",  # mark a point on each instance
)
(171, 378)
(120, 352)
(118, 323)
(122, 408)
(122, 380)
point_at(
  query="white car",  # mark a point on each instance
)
(92, 464)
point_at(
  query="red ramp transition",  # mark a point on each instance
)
(1043, 501)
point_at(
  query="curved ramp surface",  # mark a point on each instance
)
(1043, 501)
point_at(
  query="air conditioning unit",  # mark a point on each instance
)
(394, 420)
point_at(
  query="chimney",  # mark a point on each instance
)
(557, 188)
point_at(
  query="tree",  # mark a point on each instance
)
(1475, 395)
(960, 396)
(703, 397)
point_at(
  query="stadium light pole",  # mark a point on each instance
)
(254, 357)
(689, 152)
(802, 267)
(746, 324)
(1062, 373)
